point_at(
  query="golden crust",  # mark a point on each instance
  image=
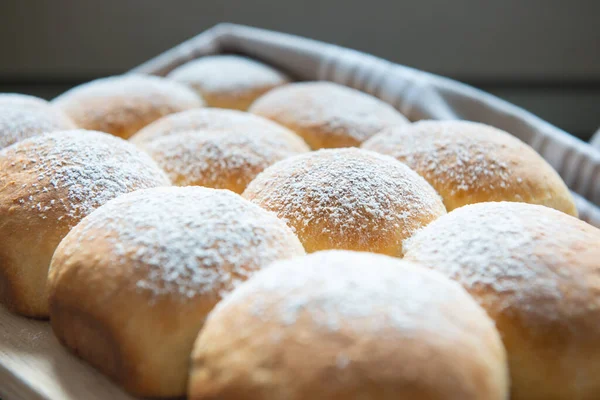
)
(122, 105)
(348, 199)
(131, 285)
(468, 162)
(536, 272)
(44, 193)
(226, 159)
(228, 81)
(332, 330)
(326, 114)
(91, 310)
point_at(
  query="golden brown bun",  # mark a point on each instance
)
(48, 184)
(23, 101)
(21, 118)
(222, 159)
(342, 325)
(326, 114)
(228, 81)
(536, 271)
(131, 285)
(122, 105)
(468, 162)
(206, 119)
(348, 199)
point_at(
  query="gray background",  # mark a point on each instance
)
(541, 54)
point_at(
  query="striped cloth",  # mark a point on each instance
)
(595, 141)
(417, 94)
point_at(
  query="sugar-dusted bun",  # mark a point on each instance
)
(348, 199)
(122, 105)
(348, 325)
(222, 159)
(228, 81)
(131, 285)
(468, 162)
(326, 114)
(536, 271)
(22, 118)
(48, 184)
(206, 119)
(22, 101)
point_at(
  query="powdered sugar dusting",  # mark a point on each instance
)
(208, 119)
(227, 74)
(121, 105)
(71, 173)
(220, 159)
(460, 156)
(341, 195)
(342, 114)
(517, 249)
(189, 241)
(18, 122)
(360, 291)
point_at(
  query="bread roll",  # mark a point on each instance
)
(225, 159)
(536, 271)
(122, 105)
(228, 81)
(348, 199)
(48, 184)
(468, 162)
(352, 326)
(326, 114)
(22, 118)
(206, 119)
(131, 285)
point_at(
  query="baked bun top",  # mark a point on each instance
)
(228, 81)
(225, 159)
(326, 114)
(65, 175)
(469, 162)
(180, 242)
(347, 199)
(207, 119)
(537, 262)
(122, 105)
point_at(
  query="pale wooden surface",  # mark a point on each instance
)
(33, 365)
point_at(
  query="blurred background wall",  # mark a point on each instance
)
(543, 55)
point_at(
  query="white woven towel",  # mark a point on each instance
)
(417, 94)
(595, 141)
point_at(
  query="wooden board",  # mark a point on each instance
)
(35, 366)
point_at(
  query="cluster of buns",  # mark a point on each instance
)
(162, 224)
